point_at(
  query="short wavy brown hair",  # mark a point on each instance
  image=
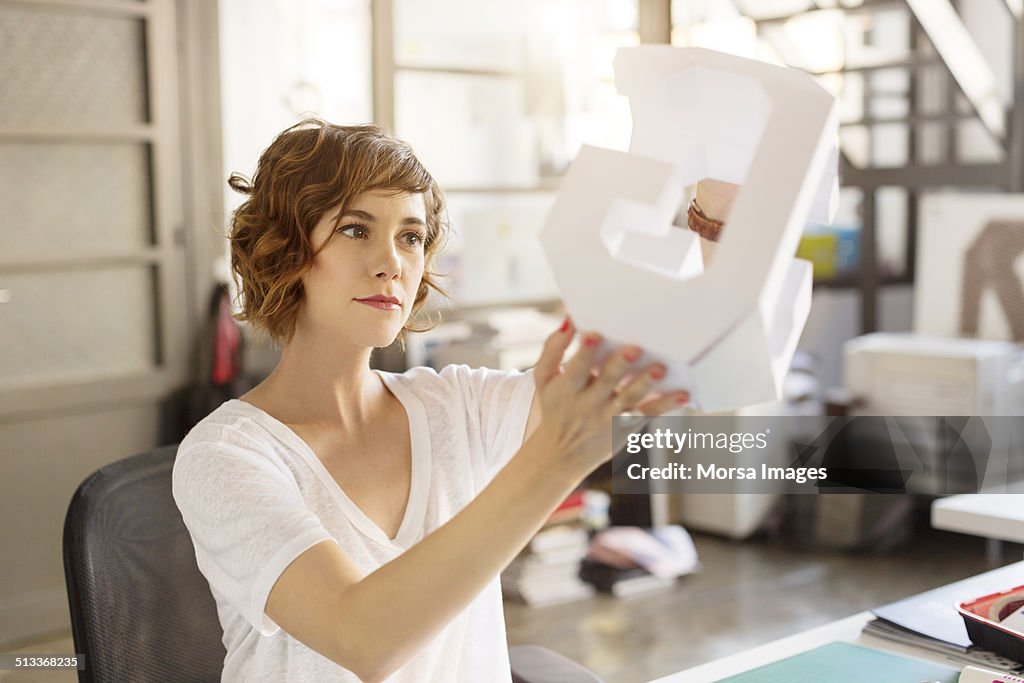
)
(307, 170)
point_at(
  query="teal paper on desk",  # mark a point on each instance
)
(846, 663)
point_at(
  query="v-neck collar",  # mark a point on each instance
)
(411, 528)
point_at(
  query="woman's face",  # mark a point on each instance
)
(362, 285)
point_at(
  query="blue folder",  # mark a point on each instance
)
(847, 663)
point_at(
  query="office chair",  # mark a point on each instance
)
(141, 610)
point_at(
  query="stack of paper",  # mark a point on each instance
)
(929, 620)
(547, 571)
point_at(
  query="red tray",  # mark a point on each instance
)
(982, 616)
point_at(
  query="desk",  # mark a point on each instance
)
(848, 630)
(993, 515)
(845, 630)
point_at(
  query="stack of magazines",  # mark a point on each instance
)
(547, 571)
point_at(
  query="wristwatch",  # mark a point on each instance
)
(697, 220)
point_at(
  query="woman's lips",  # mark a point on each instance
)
(382, 305)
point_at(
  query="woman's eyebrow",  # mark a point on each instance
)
(364, 215)
(369, 217)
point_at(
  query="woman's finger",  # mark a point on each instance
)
(660, 404)
(633, 392)
(551, 355)
(612, 371)
(577, 370)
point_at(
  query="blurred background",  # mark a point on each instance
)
(120, 121)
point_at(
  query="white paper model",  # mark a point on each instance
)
(726, 333)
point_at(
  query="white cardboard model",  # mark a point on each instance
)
(726, 333)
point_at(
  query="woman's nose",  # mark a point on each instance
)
(388, 265)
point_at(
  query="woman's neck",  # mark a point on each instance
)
(319, 384)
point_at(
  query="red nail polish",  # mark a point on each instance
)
(658, 372)
(631, 354)
(591, 341)
(565, 325)
(682, 399)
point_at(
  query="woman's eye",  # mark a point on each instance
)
(415, 238)
(356, 231)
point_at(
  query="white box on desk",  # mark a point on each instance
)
(916, 374)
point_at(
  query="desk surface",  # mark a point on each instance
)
(994, 515)
(848, 630)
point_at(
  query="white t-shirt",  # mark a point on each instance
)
(254, 497)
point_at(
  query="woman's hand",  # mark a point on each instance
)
(579, 399)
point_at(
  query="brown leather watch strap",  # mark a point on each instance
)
(697, 220)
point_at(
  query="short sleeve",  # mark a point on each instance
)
(498, 402)
(247, 521)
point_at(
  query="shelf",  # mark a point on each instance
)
(854, 281)
(459, 71)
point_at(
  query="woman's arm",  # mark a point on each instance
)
(373, 624)
(715, 198)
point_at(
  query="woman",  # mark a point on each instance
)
(352, 523)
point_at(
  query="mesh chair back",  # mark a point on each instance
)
(140, 609)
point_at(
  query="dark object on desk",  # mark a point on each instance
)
(140, 608)
(982, 619)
